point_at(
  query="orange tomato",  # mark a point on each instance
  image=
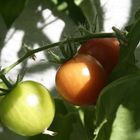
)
(80, 80)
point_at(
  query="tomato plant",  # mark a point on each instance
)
(28, 109)
(105, 50)
(80, 80)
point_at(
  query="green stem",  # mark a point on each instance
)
(2, 94)
(7, 83)
(30, 53)
(3, 90)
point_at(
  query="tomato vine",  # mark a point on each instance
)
(72, 40)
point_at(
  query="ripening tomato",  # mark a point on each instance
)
(27, 109)
(105, 50)
(80, 80)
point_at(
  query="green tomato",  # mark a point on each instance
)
(28, 109)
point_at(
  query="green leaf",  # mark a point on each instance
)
(60, 106)
(91, 15)
(133, 37)
(127, 61)
(123, 69)
(118, 110)
(137, 14)
(67, 127)
(70, 8)
(11, 9)
(89, 120)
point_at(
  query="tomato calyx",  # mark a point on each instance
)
(3, 91)
(8, 86)
(67, 51)
(121, 36)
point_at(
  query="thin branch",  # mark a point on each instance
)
(72, 40)
(7, 83)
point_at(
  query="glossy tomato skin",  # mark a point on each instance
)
(28, 109)
(80, 80)
(105, 50)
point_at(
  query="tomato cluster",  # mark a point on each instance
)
(81, 79)
(28, 108)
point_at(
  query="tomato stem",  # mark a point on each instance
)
(72, 40)
(50, 133)
(3, 91)
(5, 80)
(2, 94)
